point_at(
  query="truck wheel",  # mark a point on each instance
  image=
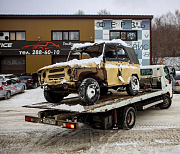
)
(89, 91)
(166, 103)
(53, 97)
(8, 95)
(129, 118)
(133, 87)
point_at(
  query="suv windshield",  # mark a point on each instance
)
(89, 52)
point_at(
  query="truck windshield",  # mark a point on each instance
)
(146, 71)
(166, 73)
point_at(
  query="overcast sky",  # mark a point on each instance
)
(122, 7)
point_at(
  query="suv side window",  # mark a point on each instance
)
(110, 53)
(122, 54)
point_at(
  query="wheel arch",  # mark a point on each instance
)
(135, 75)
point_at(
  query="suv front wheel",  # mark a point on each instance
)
(89, 91)
(53, 97)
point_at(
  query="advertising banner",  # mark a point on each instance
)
(36, 47)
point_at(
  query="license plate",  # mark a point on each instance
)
(49, 121)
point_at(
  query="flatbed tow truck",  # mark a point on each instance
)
(114, 110)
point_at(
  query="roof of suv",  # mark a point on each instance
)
(84, 45)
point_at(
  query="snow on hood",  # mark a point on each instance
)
(82, 45)
(82, 62)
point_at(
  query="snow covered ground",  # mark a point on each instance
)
(156, 131)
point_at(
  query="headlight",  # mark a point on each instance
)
(44, 75)
(69, 71)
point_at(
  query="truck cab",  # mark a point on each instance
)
(156, 77)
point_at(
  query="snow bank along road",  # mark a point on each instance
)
(156, 131)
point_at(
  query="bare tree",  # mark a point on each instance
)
(103, 12)
(166, 36)
(80, 12)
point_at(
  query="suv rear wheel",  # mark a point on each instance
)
(89, 91)
(133, 87)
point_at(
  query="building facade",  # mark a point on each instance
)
(29, 42)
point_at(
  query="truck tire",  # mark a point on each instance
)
(89, 91)
(133, 87)
(53, 97)
(129, 118)
(166, 103)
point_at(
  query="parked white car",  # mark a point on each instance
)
(176, 82)
(8, 76)
(10, 87)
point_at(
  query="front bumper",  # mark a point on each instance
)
(2, 93)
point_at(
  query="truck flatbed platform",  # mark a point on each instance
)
(108, 102)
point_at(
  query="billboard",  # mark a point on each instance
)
(35, 47)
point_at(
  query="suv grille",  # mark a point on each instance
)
(56, 76)
(56, 70)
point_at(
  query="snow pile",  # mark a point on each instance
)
(82, 62)
(76, 108)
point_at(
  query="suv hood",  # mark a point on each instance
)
(91, 62)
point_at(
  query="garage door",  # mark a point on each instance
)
(13, 65)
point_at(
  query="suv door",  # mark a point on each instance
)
(118, 65)
(125, 68)
(111, 65)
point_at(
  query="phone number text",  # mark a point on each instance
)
(40, 52)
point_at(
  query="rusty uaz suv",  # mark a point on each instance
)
(102, 65)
